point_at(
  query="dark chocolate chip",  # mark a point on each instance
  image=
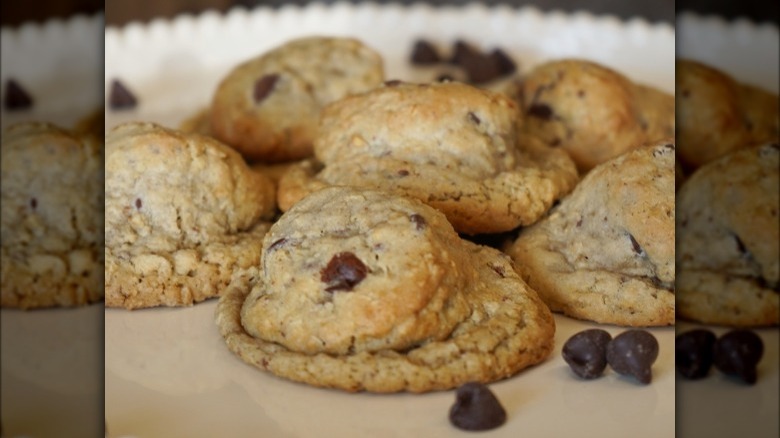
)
(343, 272)
(541, 111)
(479, 68)
(33, 203)
(737, 354)
(504, 64)
(264, 86)
(586, 353)
(16, 97)
(418, 220)
(635, 245)
(138, 203)
(473, 117)
(445, 77)
(694, 353)
(277, 244)
(120, 96)
(424, 52)
(632, 353)
(393, 83)
(476, 408)
(580, 93)
(741, 246)
(460, 50)
(403, 172)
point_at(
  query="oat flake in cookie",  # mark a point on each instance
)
(184, 214)
(606, 253)
(367, 291)
(729, 240)
(453, 146)
(267, 108)
(52, 217)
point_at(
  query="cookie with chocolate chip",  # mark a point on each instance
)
(52, 217)
(183, 215)
(450, 145)
(719, 115)
(606, 252)
(363, 290)
(267, 108)
(592, 111)
(729, 240)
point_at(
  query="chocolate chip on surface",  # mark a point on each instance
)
(16, 97)
(138, 203)
(540, 111)
(505, 65)
(264, 86)
(586, 353)
(120, 96)
(632, 353)
(460, 51)
(343, 272)
(737, 354)
(418, 220)
(473, 117)
(635, 245)
(476, 408)
(278, 243)
(424, 52)
(694, 353)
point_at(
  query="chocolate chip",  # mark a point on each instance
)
(473, 117)
(120, 96)
(418, 220)
(403, 172)
(541, 111)
(16, 97)
(476, 408)
(33, 203)
(632, 353)
(737, 353)
(479, 68)
(264, 86)
(586, 352)
(393, 83)
(580, 93)
(277, 244)
(635, 245)
(460, 51)
(424, 52)
(445, 77)
(343, 272)
(694, 353)
(504, 64)
(741, 246)
(138, 203)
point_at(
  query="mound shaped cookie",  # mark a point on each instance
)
(184, 213)
(267, 108)
(719, 115)
(728, 252)
(591, 111)
(606, 253)
(453, 146)
(52, 217)
(363, 290)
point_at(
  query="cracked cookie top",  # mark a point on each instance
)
(450, 145)
(267, 108)
(591, 111)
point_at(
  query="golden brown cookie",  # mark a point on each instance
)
(183, 216)
(606, 253)
(52, 217)
(591, 111)
(364, 290)
(267, 108)
(450, 145)
(728, 252)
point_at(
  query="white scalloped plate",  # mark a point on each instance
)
(168, 372)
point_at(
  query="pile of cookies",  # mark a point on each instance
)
(328, 207)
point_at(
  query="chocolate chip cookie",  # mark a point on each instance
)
(52, 217)
(719, 115)
(729, 240)
(450, 145)
(365, 290)
(591, 111)
(184, 214)
(267, 108)
(606, 253)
